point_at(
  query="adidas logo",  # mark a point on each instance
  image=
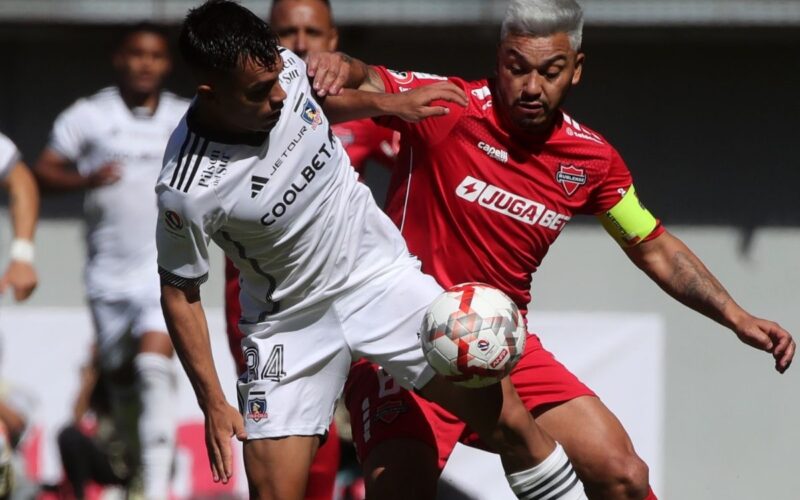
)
(256, 185)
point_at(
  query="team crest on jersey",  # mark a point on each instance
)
(311, 114)
(257, 408)
(173, 220)
(570, 177)
(402, 77)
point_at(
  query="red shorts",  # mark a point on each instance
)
(381, 410)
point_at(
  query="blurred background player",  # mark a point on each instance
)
(92, 447)
(20, 277)
(510, 171)
(306, 27)
(110, 145)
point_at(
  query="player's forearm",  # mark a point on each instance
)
(54, 174)
(357, 104)
(360, 76)
(23, 202)
(188, 330)
(679, 272)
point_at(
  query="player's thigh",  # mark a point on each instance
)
(571, 413)
(592, 436)
(148, 325)
(278, 468)
(115, 344)
(399, 469)
(382, 323)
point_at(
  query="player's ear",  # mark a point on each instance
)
(205, 92)
(576, 76)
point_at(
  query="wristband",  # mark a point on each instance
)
(21, 250)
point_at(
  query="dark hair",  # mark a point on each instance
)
(141, 27)
(326, 2)
(220, 35)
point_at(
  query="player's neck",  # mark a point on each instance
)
(205, 121)
(137, 100)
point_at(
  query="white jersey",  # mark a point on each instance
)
(9, 156)
(120, 218)
(286, 207)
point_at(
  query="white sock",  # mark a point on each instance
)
(552, 479)
(156, 383)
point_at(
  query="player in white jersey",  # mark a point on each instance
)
(111, 145)
(20, 276)
(326, 277)
(24, 208)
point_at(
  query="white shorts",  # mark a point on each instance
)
(119, 323)
(296, 368)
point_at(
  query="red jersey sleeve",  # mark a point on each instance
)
(431, 130)
(612, 189)
(613, 186)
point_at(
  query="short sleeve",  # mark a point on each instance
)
(69, 132)
(616, 204)
(431, 130)
(9, 156)
(612, 188)
(182, 236)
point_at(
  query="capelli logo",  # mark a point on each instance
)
(493, 152)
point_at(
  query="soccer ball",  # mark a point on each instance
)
(473, 334)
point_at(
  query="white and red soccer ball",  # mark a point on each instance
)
(473, 334)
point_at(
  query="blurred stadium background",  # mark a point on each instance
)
(701, 98)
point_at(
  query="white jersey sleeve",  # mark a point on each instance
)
(185, 225)
(9, 156)
(69, 133)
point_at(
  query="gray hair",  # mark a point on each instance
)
(544, 18)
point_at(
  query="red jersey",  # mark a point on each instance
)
(365, 140)
(475, 204)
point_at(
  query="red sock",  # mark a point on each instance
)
(650, 495)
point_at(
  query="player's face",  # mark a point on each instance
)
(534, 75)
(251, 98)
(142, 62)
(304, 26)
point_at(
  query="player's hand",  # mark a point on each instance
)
(328, 71)
(21, 276)
(415, 105)
(105, 175)
(222, 422)
(767, 336)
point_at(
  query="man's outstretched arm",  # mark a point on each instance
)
(679, 272)
(353, 90)
(188, 330)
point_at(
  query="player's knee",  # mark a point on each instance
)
(624, 477)
(511, 428)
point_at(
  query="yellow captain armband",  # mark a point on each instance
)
(628, 222)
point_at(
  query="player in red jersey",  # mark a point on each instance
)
(306, 26)
(480, 195)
